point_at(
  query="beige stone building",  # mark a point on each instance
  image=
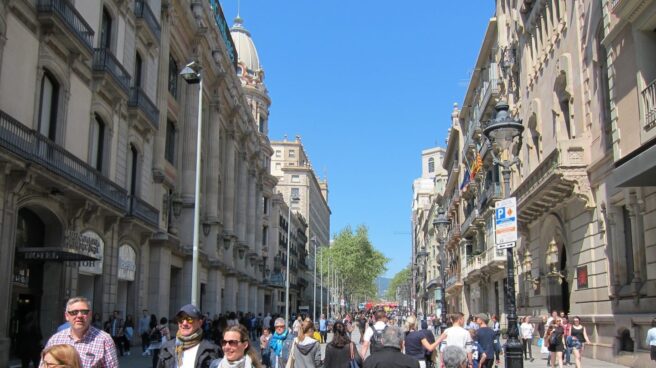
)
(580, 77)
(296, 179)
(425, 189)
(98, 140)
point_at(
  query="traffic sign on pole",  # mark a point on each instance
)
(505, 222)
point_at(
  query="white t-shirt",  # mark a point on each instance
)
(526, 330)
(458, 336)
(189, 357)
(368, 333)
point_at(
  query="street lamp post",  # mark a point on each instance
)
(292, 200)
(314, 291)
(441, 224)
(422, 256)
(191, 74)
(321, 283)
(502, 133)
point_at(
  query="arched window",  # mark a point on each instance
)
(48, 101)
(431, 165)
(138, 69)
(97, 142)
(106, 30)
(173, 77)
(133, 162)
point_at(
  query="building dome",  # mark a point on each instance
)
(246, 51)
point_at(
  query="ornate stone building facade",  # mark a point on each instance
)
(98, 140)
(579, 75)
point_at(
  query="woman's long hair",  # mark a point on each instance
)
(64, 354)
(340, 336)
(243, 336)
(307, 327)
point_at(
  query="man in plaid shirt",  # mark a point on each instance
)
(96, 347)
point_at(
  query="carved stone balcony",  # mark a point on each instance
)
(147, 24)
(488, 262)
(490, 196)
(139, 209)
(110, 74)
(66, 24)
(562, 174)
(142, 110)
(453, 284)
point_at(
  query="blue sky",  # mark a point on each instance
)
(367, 85)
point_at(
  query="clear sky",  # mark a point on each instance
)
(368, 85)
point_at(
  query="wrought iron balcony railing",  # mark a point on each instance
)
(34, 147)
(140, 209)
(66, 12)
(648, 96)
(140, 100)
(105, 61)
(142, 11)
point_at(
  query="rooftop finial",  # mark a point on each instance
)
(238, 20)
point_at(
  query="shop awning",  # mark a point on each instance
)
(637, 170)
(53, 254)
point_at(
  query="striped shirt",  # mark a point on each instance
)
(96, 348)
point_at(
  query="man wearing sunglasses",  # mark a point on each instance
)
(96, 347)
(188, 349)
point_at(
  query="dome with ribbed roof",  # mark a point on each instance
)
(246, 51)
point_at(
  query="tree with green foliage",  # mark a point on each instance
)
(402, 279)
(356, 261)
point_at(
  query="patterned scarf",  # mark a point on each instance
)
(183, 343)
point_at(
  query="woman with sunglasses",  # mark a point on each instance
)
(237, 351)
(578, 337)
(60, 356)
(556, 341)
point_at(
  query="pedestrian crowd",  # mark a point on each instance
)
(377, 339)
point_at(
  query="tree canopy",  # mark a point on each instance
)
(356, 261)
(401, 279)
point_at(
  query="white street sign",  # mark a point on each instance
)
(505, 221)
(506, 245)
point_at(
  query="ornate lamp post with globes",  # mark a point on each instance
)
(441, 224)
(502, 132)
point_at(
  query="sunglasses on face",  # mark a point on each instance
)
(277, 327)
(232, 343)
(186, 319)
(73, 313)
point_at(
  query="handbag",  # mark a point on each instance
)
(292, 356)
(353, 363)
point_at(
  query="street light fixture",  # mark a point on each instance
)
(441, 224)
(502, 133)
(292, 200)
(552, 261)
(191, 73)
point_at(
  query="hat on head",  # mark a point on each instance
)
(191, 311)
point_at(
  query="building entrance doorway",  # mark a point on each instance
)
(559, 290)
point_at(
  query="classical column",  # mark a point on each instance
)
(243, 197)
(252, 299)
(259, 213)
(212, 164)
(230, 293)
(260, 301)
(213, 300)
(242, 298)
(251, 212)
(229, 184)
(637, 236)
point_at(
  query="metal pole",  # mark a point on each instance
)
(314, 291)
(443, 324)
(289, 229)
(194, 262)
(514, 355)
(321, 281)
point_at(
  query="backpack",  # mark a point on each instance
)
(155, 335)
(553, 339)
(376, 342)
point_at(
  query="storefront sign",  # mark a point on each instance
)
(582, 277)
(127, 263)
(94, 245)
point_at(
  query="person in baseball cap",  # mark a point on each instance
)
(188, 349)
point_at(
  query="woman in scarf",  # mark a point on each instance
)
(280, 344)
(237, 350)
